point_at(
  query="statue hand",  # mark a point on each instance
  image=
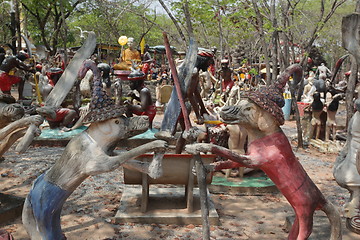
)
(36, 120)
(191, 134)
(197, 148)
(208, 168)
(159, 146)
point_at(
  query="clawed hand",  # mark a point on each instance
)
(160, 146)
(209, 168)
(36, 120)
(197, 148)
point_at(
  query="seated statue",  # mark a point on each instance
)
(346, 171)
(63, 118)
(128, 57)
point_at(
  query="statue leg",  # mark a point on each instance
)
(305, 225)
(317, 131)
(294, 232)
(327, 132)
(41, 215)
(21, 88)
(333, 132)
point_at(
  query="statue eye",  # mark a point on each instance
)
(117, 121)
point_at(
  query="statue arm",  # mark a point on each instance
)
(240, 159)
(21, 123)
(107, 163)
(22, 65)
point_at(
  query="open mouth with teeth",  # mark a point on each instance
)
(138, 125)
(230, 115)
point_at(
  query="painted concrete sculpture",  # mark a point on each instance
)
(10, 111)
(346, 173)
(89, 153)
(269, 150)
(13, 125)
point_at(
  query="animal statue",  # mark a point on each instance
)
(85, 88)
(25, 128)
(10, 111)
(346, 171)
(13, 125)
(269, 150)
(89, 153)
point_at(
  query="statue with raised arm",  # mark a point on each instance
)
(7, 80)
(89, 153)
(269, 149)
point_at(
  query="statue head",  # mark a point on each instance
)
(204, 60)
(130, 42)
(271, 99)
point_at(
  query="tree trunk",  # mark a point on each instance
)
(263, 42)
(177, 25)
(275, 40)
(349, 98)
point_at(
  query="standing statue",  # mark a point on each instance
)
(7, 80)
(317, 107)
(226, 74)
(331, 110)
(269, 150)
(346, 171)
(189, 77)
(323, 71)
(89, 153)
(147, 61)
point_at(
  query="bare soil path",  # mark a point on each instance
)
(88, 212)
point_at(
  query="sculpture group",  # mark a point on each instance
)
(257, 112)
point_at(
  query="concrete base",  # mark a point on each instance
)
(321, 228)
(252, 184)
(166, 205)
(10, 207)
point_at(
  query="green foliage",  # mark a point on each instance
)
(110, 19)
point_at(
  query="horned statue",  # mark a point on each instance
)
(89, 153)
(269, 150)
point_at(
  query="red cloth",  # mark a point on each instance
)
(145, 68)
(150, 112)
(6, 81)
(60, 115)
(227, 84)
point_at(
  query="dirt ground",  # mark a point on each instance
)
(88, 212)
